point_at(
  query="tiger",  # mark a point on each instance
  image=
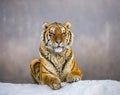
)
(56, 63)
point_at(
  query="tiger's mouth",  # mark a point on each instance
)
(58, 49)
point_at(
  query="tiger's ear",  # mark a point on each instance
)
(67, 24)
(45, 25)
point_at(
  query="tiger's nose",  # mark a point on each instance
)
(58, 41)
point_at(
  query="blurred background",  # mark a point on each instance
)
(96, 28)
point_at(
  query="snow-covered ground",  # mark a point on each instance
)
(84, 87)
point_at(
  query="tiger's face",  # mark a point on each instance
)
(57, 36)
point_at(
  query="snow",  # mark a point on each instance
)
(84, 87)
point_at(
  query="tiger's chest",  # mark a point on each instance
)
(59, 64)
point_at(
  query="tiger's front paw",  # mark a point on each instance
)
(73, 79)
(56, 86)
(55, 83)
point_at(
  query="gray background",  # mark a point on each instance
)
(96, 28)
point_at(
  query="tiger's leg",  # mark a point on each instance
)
(75, 74)
(50, 79)
(35, 70)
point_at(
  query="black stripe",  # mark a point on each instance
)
(44, 33)
(73, 67)
(52, 64)
(48, 70)
(63, 66)
(70, 37)
(37, 63)
(36, 66)
(45, 72)
(66, 61)
(45, 36)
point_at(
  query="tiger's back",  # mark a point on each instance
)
(56, 62)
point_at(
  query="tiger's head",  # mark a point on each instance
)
(57, 36)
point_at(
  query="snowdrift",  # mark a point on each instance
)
(88, 87)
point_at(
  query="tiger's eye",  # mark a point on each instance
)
(50, 35)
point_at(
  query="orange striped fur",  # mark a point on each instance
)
(56, 63)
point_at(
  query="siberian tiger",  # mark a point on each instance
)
(56, 63)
